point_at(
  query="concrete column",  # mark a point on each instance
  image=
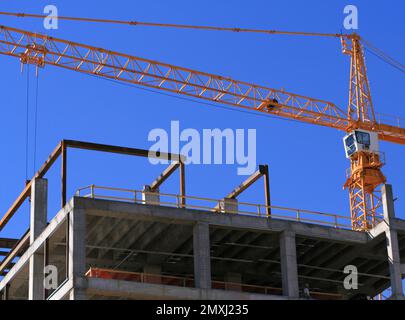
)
(394, 260)
(5, 292)
(230, 205)
(387, 202)
(202, 255)
(38, 222)
(289, 271)
(233, 281)
(77, 253)
(150, 197)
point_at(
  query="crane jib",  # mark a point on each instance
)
(41, 49)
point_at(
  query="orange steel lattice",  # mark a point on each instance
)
(42, 50)
(360, 105)
(363, 183)
(365, 167)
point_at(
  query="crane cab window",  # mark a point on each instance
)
(363, 138)
(350, 145)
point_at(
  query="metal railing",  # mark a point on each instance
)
(389, 119)
(188, 282)
(214, 205)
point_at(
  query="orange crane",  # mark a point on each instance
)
(359, 121)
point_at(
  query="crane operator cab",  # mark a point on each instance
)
(360, 140)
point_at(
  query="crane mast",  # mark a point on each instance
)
(360, 107)
(365, 175)
(365, 165)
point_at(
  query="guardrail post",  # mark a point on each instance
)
(182, 184)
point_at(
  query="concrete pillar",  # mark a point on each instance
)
(289, 271)
(150, 197)
(233, 281)
(387, 202)
(77, 253)
(202, 255)
(394, 260)
(38, 222)
(5, 292)
(230, 205)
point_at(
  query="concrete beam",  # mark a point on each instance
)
(117, 209)
(138, 290)
(289, 270)
(38, 222)
(202, 256)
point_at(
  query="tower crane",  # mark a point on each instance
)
(359, 122)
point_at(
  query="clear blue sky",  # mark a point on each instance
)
(307, 162)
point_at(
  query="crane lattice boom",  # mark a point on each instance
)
(43, 50)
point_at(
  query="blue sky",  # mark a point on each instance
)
(307, 163)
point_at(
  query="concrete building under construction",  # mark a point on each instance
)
(109, 243)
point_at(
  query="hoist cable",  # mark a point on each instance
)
(27, 121)
(36, 122)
